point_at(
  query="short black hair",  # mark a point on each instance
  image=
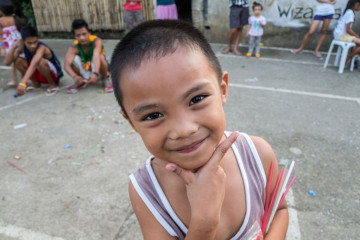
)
(79, 23)
(7, 7)
(28, 31)
(155, 39)
(255, 4)
(350, 4)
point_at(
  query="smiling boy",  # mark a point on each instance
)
(172, 90)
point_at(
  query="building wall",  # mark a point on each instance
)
(57, 15)
(287, 21)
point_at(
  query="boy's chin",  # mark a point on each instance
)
(194, 168)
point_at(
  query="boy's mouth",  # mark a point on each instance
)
(190, 148)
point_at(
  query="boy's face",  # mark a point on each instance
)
(176, 104)
(82, 35)
(31, 43)
(257, 10)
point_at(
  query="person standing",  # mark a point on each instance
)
(239, 15)
(324, 12)
(255, 30)
(166, 9)
(133, 14)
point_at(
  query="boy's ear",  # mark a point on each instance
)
(224, 85)
(127, 118)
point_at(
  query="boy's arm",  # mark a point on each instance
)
(34, 63)
(150, 227)
(31, 69)
(69, 58)
(279, 225)
(96, 60)
(350, 31)
(2, 47)
(14, 52)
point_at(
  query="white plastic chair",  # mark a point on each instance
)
(341, 54)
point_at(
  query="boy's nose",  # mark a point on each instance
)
(182, 128)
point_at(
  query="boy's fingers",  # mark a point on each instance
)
(222, 149)
(186, 175)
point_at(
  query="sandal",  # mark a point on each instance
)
(317, 54)
(51, 91)
(31, 87)
(295, 51)
(12, 84)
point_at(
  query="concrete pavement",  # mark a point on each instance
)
(308, 114)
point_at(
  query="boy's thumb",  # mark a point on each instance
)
(185, 175)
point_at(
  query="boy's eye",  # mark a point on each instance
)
(197, 99)
(152, 116)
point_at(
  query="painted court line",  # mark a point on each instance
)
(24, 234)
(293, 232)
(275, 60)
(28, 99)
(5, 67)
(312, 94)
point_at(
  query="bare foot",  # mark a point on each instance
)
(236, 52)
(226, 50)
(295, 51)
(33, 86)
(12, 83)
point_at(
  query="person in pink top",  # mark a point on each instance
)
(166, 9)
(255, 30)
(9, 33)
(133, 14)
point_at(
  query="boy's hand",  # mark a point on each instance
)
(206, 187)
(20, 90)
(92, 79)
(79, 80)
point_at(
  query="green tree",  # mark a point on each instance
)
(24, 10)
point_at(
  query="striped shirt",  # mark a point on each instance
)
(239, 3)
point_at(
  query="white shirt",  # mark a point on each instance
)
(255, 28)
(324, 9)
(340, 28)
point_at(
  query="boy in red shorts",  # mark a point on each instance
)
(40, 63)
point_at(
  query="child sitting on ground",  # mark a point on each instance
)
(172, 90)
(9, 34)
(255, 30)
(343, 31)
(40, 63)
(85, 60)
